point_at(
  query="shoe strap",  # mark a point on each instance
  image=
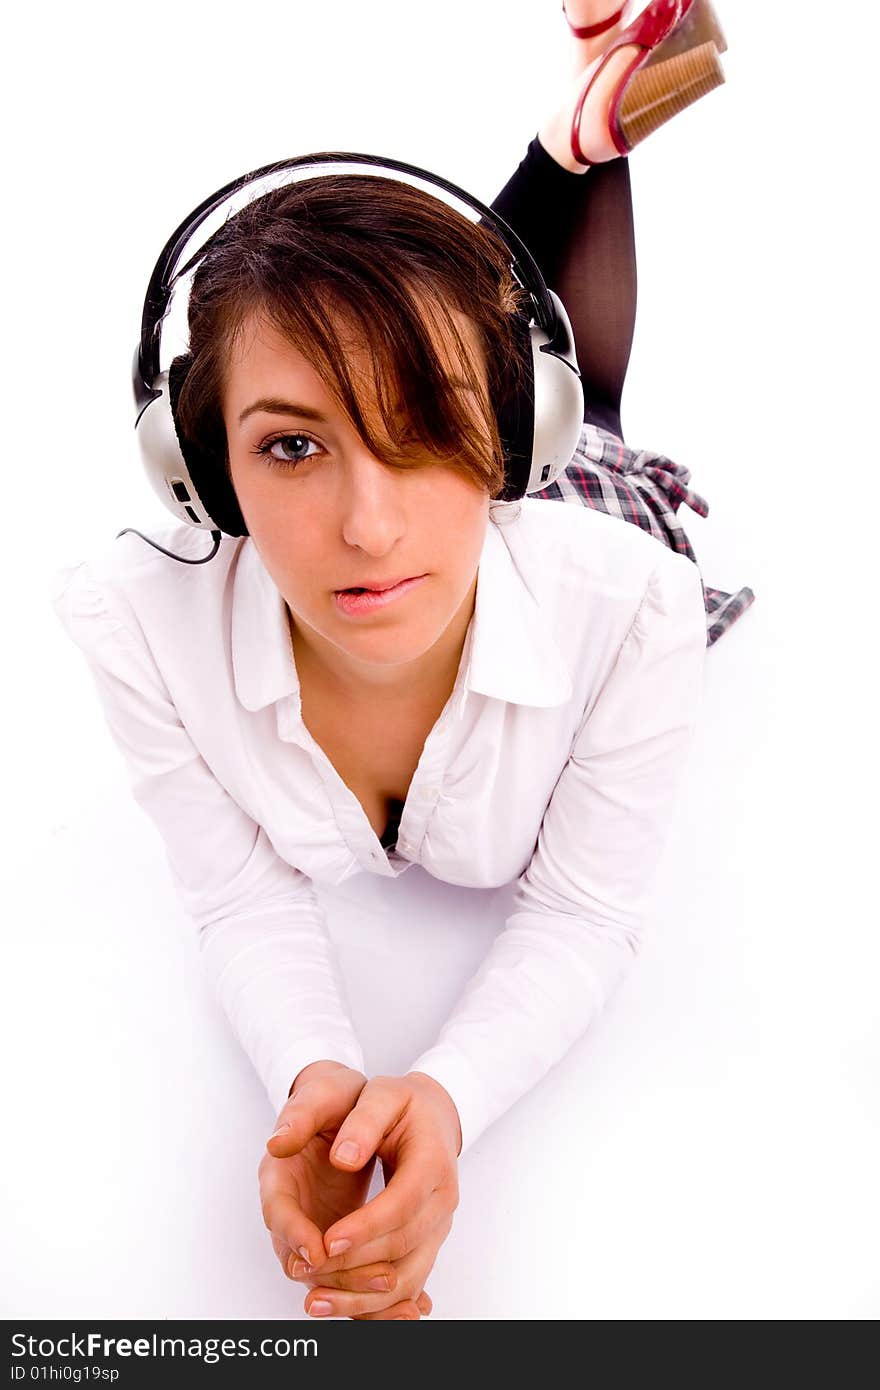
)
(589, 31)
(623, 81)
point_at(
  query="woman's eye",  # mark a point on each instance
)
(290, 447)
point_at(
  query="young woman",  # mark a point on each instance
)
(391, 667)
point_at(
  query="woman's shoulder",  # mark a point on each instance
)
(596, 578)
(125, 590)
(565, 546)
(129, 576)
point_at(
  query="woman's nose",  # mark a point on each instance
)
(372, 504)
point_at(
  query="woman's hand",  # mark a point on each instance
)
(303, 1194)
(411, 1123)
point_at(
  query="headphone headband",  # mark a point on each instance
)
(165, 273)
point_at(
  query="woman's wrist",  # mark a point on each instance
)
(319, 1068)
(449, 1104)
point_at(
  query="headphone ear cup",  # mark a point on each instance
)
(558, 401)
(177, 374)
(516, 418)
(204, 468)
(541, 423)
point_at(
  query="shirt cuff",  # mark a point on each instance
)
(284, 1069)
(456, 1075)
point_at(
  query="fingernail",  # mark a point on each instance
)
(348, 1151)
(302, 1250)
(380, 1282)
(282, 1129)
(320, 1308)
(339, 1247)
(301, 1267)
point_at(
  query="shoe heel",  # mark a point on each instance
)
(659, 91)
(700, 25)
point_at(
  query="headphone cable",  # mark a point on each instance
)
(183, 559)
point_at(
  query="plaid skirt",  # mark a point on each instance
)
(647, 489)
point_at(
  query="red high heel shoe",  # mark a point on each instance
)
(589, 31)
(682, 40)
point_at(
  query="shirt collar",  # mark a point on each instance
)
(514, 656)
(511, 655)
(262, 661)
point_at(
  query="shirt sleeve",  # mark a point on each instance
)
(262, 936)
(580, 906)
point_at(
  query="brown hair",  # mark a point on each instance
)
(392, 261)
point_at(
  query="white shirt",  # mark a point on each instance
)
(555, 762)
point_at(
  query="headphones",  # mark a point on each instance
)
(539, 427)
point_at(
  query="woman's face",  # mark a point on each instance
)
(326, 515)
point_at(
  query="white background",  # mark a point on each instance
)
(710, 1149)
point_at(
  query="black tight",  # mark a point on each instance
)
(579, 228)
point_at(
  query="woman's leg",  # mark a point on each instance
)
(579, 228)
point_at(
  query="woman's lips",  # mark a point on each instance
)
(356, 604)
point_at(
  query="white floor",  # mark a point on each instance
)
(710, 1148)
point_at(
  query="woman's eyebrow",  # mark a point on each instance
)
(274, 405)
